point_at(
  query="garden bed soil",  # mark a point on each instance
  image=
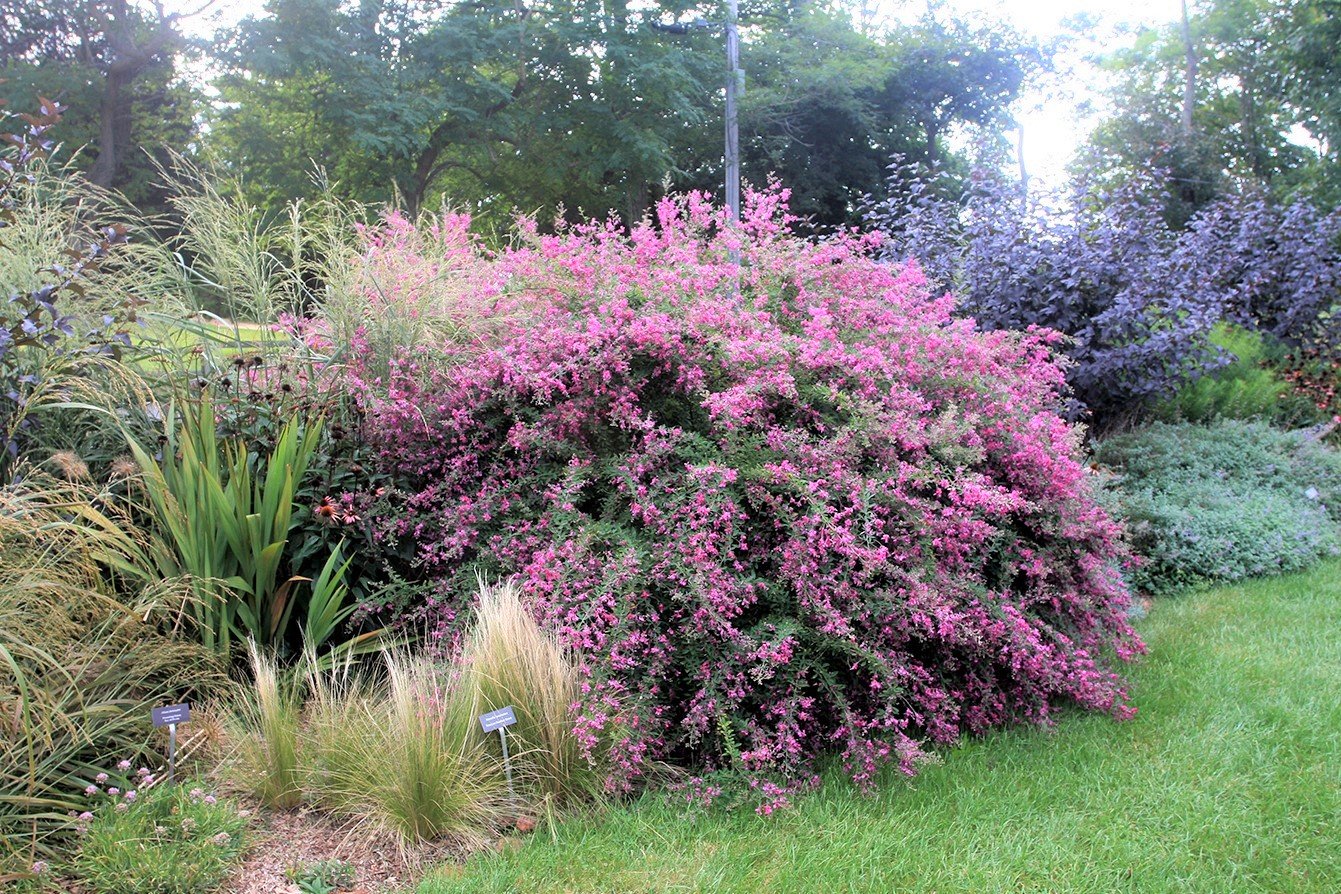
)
(281, 839)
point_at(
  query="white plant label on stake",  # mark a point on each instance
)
(170, 716)
(500, 720)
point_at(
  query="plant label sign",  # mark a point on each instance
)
(171, 715)
(500, 719)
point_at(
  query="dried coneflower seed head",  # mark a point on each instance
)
(69, 464)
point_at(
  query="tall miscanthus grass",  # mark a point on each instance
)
(250, 267)
(414, 283)
(508, 660)
(87, 645)
(78, 266)
(69, 403)
(59, 209)
(353, 282)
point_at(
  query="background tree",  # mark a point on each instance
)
(827, 105)
(113, 64)
(528, 104)
(583, 104)
(1220, 98)
(1311, 33)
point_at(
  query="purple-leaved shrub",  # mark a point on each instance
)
(1137, 299)
(795, 511)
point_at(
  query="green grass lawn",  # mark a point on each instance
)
(1228, 781)
(225, 336)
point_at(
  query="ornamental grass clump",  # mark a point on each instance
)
(427, 775)
(268, 718)
(87, 648)
(395, 747)
(509, 661)
(777, 511)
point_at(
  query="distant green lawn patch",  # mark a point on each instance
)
(224, 336)
(1228, 780)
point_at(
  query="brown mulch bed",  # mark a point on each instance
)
(281, 839)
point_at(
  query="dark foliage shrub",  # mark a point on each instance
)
(807, 513)
(1137, 298)
(1223, 501)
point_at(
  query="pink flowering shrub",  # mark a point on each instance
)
(801, 513)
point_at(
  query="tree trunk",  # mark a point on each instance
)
(129, 56)
(637, 200)
(1189, 74)
(112, 130)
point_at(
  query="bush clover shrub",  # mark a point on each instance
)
(1223, 501)
(778, 510)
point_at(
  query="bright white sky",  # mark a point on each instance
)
(1052, 117)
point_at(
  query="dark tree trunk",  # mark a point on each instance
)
(637, 200)
(113, 129)
(128, 56)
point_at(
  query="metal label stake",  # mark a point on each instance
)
(170, 716)
(500, 720)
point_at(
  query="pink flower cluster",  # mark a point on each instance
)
(780, 510)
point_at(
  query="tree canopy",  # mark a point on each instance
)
(1239, 91)
(587, 104)
(113, 65)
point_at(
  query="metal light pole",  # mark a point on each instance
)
(735, 83)
(734, 80)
